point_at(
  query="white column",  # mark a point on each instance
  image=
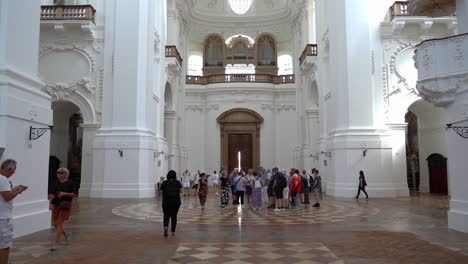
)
(23, 104)
(89, 133)
(124, 147)
(350, 104)
(457, 165)
(462, 16)
(311, 20)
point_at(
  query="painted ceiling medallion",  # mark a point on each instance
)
(240, 7)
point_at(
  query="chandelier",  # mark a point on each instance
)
(240, 7)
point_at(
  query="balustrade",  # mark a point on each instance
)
(68, 12)
(235, 78)
(399, 8)
(172, 52)
(310, 50)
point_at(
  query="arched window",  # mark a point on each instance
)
(195, 65)
(240, 7)
(285, 65)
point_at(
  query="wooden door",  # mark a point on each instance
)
(437, 174)
(240, 143)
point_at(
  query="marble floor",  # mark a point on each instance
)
(378, 230)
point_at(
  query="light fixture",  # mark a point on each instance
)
(240, 7)
(364, 151)
(2, 149)
(326, 153)
(157, 154)
(37, 132)
(315, 156)
(120, 150)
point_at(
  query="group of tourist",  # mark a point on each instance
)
(61, 196)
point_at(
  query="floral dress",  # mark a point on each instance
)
(202, 191)
(257, 194)
(224, 192)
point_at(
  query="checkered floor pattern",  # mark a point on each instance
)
(428, 200)
(329, 212)
(246, 253)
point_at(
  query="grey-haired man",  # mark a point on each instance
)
(8, 193)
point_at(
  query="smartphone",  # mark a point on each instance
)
(24, 187)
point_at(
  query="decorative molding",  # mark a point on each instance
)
(61, 91)
(270, 107)
(73, 46)
(194, 108)
(286, 108)
(212, 107)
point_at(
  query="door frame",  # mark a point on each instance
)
(436, 157)
(240, 121)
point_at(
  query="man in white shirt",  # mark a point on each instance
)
(8, 193)
(186, 182)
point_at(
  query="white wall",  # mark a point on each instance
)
(275, 103)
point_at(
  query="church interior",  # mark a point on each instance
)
(120, 92)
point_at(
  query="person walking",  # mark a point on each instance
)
(61, 200)
(224, 189)
(202, 190)
(240, 183)
(232, 179)
(8, 193)
(186, 182)
(362, 185)
(171, 201)
(215, 182)
(317, 187)
(196, 179)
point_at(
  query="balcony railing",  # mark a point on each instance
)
(237, 78)
(68, 12)
(172, 52)
(310, 50)
(399, 8)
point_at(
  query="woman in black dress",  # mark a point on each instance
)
(224, 190)
(362, 184)
(171, 200)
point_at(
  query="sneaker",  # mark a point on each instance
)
(55, 247)
(68, 236)
(277, 210)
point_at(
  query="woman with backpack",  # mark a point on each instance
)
(171, 200)
(257, 192)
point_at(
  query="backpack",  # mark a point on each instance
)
(258, 184)
(282, 183)
(304, 182)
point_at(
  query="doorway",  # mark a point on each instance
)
(240, 151)
(240, 138)
(437, 174)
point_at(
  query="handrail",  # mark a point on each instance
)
(399, 8)
(172, 52)
(236, 78)
(68, 12)
(310, 50)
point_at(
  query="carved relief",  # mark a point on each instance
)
(194, 108)
(286, 107)
(212, 107)
(268, 107)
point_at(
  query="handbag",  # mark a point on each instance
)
(234, 187)
(64, 205)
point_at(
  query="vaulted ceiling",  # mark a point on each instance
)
(209, 16)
